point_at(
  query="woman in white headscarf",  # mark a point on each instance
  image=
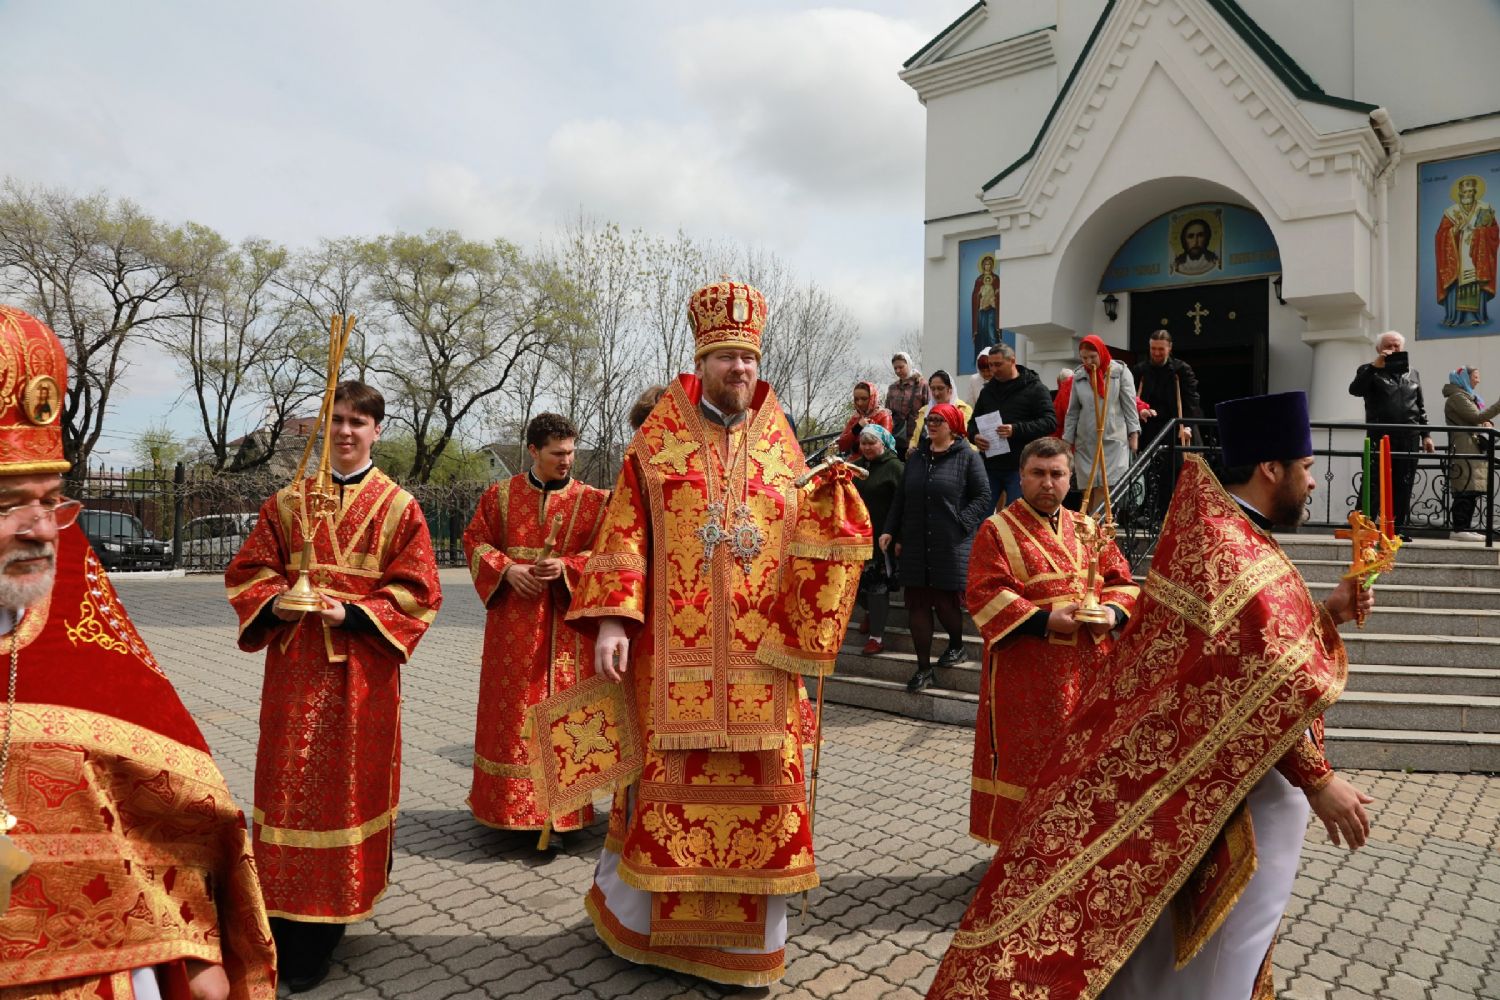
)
(979, 378)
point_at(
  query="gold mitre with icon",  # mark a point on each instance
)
(727, 314)
(33, 381)
(583, 742)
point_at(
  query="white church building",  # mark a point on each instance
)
(1275, 182)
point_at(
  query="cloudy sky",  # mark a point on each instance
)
(779, 124)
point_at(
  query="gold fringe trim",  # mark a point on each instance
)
(705, 939)
(783, 885)
(782, 658)
(832, 552)
(737, 743)
(676, 963)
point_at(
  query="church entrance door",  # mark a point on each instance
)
(1220, 329)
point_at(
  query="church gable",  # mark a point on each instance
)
(1271, 118)
(978, 48)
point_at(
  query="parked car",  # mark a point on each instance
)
(122, 542)
(210, 541)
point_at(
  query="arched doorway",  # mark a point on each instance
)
(1203, 273)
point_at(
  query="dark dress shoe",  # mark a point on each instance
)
(920, 681)
(952, 656)
(305, 981)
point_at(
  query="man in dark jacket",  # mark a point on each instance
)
(1393, 395)
(1025, 406)
(1169, 389)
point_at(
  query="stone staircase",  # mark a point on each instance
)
(1424, 674)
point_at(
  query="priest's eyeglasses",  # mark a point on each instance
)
(22, 518)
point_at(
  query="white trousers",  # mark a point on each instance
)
(1227, 966)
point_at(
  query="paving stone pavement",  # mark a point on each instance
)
(476, 913)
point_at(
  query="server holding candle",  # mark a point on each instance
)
(1392, 393)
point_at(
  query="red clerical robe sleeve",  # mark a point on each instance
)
(407, 596)
(1119, 589)
(256, 576)
(994, 594)
(613, 579)
(484, 545)
(1305, 764)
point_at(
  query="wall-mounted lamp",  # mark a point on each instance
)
(1112, 305)
(1276, 287)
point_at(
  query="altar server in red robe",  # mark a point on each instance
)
(1027, 574)
(125, 868)
(328, 768)
(527, 546)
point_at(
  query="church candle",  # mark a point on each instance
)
(1364, 483)
(1387, 523)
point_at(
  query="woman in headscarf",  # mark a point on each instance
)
(877, 455)
(1101, 386)
(1468, 478)
(943, 498)
(979, 378)
(867, 412)
(940, 386)
(905, 398)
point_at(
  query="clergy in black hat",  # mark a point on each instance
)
(1267, 456)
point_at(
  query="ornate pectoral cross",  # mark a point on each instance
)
(747, 540)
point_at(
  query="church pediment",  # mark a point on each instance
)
(1304, 153)
(970, 53)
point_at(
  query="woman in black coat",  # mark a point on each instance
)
(943, 498)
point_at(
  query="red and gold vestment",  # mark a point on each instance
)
(530, 653)
(328, 767)
(1020, 565)
(718, 822)
(1226, 667)
(140, 857)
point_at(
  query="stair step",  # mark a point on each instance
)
(958, 708)
(1400, 595)
(1394, 679)
(1422, 650)
(1422, 574)
(1417, 552)
(1381, 710)
(1413, 750)
(1452, 622)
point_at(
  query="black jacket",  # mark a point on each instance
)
(1157, 385)
(1022, 401)
(942, 500)
(1390, 399)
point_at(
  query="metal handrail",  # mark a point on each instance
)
(1139, 529)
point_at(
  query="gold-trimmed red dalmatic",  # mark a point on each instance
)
(1225, 668)
(328, 766)
(1031, 684)
(530, 652)
(140, 857)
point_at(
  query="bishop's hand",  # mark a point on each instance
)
(611, 649)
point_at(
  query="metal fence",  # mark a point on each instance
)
(196, 520)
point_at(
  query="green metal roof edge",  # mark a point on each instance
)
(1297, 80)
(1450, 121)
(1061, 94)
(1274, 56)
(944, 33)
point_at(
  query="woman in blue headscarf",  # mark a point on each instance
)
(1468, 478)
(877, 454)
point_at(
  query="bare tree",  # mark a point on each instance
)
(97, 273)
(332, 278)
(462, 315)
(671, 270)
(231, 338)
(814, 358)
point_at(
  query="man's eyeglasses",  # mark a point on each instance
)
(22, 518)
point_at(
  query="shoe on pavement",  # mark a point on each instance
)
(1466, 536)
(873, 646)
(952, 656)
(920, 681)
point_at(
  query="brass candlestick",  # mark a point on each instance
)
(319, 497)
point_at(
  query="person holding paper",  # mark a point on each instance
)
(1025, 407)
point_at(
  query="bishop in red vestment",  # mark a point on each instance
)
(1159, 850)
(328, 766)
(527, 546)
(1027, 575)
(124, 863)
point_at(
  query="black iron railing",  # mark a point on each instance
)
(1140, 497)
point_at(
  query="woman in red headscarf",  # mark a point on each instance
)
(944, 496)
(867, 410)
(1103, 395)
